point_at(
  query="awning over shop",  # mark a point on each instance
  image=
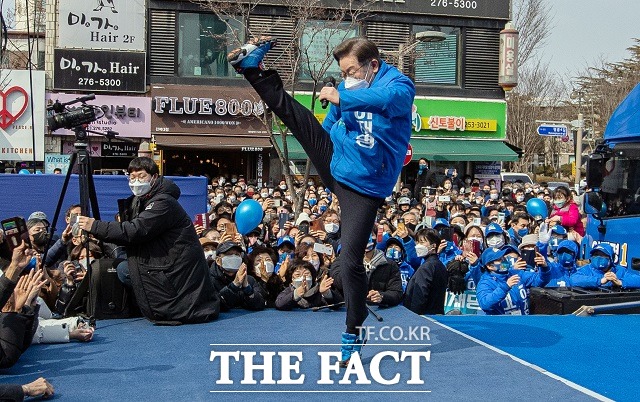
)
(450, 150)
(224, 142)
(296, 152)
(447, 150)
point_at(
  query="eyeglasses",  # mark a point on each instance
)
(354, 72)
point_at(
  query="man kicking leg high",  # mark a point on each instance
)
(358, 150)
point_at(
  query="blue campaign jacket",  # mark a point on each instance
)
(449, 253)
(589, 277)
(495, 297)
(370, 131)
(406, 272)
(561, 276)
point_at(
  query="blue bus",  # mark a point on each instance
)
(612, 200)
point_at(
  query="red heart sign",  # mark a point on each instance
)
(6, 117)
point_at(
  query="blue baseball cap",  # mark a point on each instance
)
(568, 245)
(493, 228)
(394, 240)
(559, 230)
(286, 239)
(441, 222)
(603, 247)
(508, 249)
(489, 255)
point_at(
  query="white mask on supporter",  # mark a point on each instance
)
(298, 282)
(331, 227)
(83, 262)
(231, 262)
(421, 250)
(495, 241)
(210, 255)
(140, 188)
(268, 266)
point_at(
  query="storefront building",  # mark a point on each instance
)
(212, 131)
(173, 54)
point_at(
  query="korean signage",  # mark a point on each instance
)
(465, 118)
(486, 171)
(114, 148)
(21, 136)
(181, 109)
(508, 71)
(112, 25)
(494, 9)
(446, 117)
(89, 70)
(129, 116)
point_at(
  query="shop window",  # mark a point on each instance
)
(318, 40)
(203, 43)
(438, 63)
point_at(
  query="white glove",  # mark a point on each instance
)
(544, 235)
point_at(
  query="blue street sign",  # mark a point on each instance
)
(554, 130)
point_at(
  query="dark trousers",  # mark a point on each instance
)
(358, 211)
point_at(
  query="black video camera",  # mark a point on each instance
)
(70, 118)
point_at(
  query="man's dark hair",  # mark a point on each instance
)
(361, 47)
(67, 213)
(143, 163)
(429, 234)
(520, 215)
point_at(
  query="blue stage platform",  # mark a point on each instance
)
(561, 358)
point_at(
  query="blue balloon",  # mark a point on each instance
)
(537, 208)
(24, 171)
(248, 216)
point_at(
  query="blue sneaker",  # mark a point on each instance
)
(250, 55)
(350, 344)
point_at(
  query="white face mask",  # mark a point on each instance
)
(493, 196)
(210, 255)
(520, 198)
(331, 227)
(268, 266)
(140, 188)
(264, 195)
(315, 263)
(83, 262)
(352, 83)
(421, 250)
(298, 282)
(231, 262)
(495, 241)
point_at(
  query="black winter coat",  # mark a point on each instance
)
(384, 277)
(16, 332)
(426, 288)
(231, 296)
(168, 269)
(428, 178)
(16, 329)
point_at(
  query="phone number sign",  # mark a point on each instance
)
(95, 71)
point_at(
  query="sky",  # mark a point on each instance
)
(583, 31)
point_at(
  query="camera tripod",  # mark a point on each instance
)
(88, 199)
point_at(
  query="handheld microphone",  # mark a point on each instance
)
(328, 82)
